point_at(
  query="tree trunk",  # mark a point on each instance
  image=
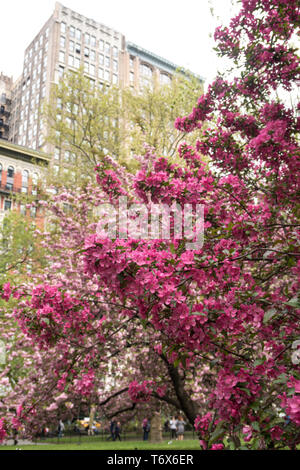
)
(92, 417)
(156, 428)
(188, 406)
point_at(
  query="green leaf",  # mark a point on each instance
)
(255, 426)
(217, 434)
(269, 314)
(282, 379)
(294, 302)
(259, 362)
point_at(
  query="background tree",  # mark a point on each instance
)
(86, 123)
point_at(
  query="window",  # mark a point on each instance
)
(146, 70)
(71, 46)
(107, 62)
(92, 69)
(101, 73)
(71, 60)
(165, 79)
(131, 62)
(93, 55)
(101, 59)
(101, 45)
(115, 65)
(78, 34)
(67, 156)
(77, 62)
(86, 52)
(63, 28)
(86, 67)
(7, 205)
(25, 179)
(62, 41)
(61, 56)
(107, 48)
(115, 79)
(78, 48)
(56, 153)
(72, 32)
(107, 75)
(10, 172)
(93, 41)
(23, 209)
(60, 71)
(10, 178)
(87, 39)
(115, 51)
(32, 212)
(47, 33)
(35, 178)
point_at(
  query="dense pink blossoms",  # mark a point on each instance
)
(231, 307)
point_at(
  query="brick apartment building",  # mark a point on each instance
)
(21, 170)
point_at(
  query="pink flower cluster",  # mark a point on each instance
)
(292, 404)
(3, 433)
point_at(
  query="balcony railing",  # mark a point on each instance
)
(8, 189)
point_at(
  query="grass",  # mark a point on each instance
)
(189, 444)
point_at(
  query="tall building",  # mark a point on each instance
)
(68, 41)
(6, 84)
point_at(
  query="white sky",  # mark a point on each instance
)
(177, 30)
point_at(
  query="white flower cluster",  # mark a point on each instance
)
(296, 354)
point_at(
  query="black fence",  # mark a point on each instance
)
(80, 437)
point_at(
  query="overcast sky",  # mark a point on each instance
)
(177, 30)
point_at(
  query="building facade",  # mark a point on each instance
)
(66, 42)
(21, 171)
(6, 84)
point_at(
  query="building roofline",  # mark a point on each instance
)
(24, 151)
(166, 64)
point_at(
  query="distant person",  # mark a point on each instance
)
(173, 427)
(61, 428)
(112, 428)
(166, 426)
(180, 428)
(146, 429)
(117, 431)
(15, 435)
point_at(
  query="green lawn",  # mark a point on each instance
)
(188, 444)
